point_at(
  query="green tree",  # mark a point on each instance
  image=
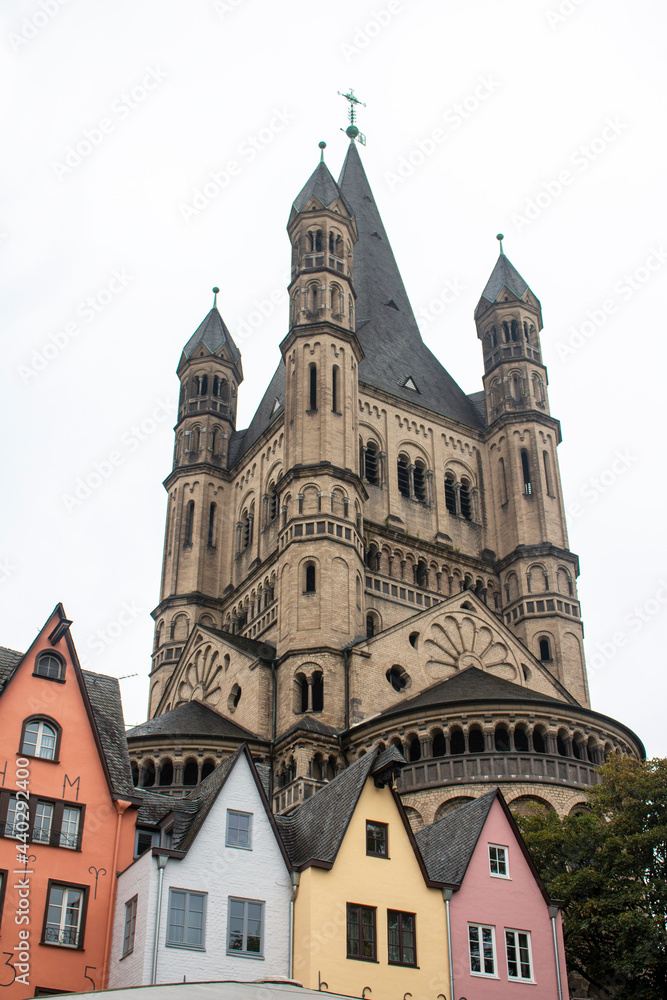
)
(609, 868)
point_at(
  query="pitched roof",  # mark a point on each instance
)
(385, 323)
(8, 660)
(471, 684)
(307, 724)
(205, 795)
(191, 719)
(314, 833)
(447, 846)
(213, 334)
(104, 694)
(504, 275)
(321, 185)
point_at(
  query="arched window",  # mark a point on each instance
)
(335, 402)
(147, 774)
(403, 475)
(525, 468)
(189, 522)
(336, 301)
(207, 768)
(515, 386)
(301, 694)
(450, 493)
(466, 500)
(502, 739)
(547, 473)
(371, 463)
(414, 749)
(475, 740)
(273, 503)
(494, 337)
(370, 626)
(312, 387)
(50, 665)
(134, 767)
(40, 739)
(166, 776)
(457, 742)
(211, 526)
(526, 331)
(439, 744)
(318, 692)
(545, 650)
(503, 480)
(191, 772)
(419, 476)
(421, 574)
(520, 739)
(309, 578)
(539, 743)
(313, 298)
(315, 241)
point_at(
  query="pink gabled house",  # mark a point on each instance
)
(506, 933)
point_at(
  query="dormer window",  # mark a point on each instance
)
(51, 666)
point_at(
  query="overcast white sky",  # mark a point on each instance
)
(549, 124)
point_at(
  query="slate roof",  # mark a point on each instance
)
(157, 805)
(9, 658)
(447, 846)
(205, 795)
(308, 724)
(322, 185)
(385, 323)
(212, 333)
(104, 695)
(261, 650)
(471, 684)
(191, 719)
(316, 830)
(504, 275)
(241, 441)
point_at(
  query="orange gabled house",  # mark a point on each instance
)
(67, 816)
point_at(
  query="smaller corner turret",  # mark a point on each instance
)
(509, 320)
(210, 372)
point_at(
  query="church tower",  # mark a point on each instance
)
(536, 569)
(198, 514)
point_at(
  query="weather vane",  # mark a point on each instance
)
(352, 129)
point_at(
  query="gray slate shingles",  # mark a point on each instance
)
(191, 719)
(212, 333)
(471, 684)
(504, 275)
(447, 846)
(316, 830)
(322, 185)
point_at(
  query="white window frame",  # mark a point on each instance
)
(520, 978)
(188, 894)
(64, 908)
(42, 725)
(65, 833)
(231, 833)
(244, 953)
(480, 928)
(43, 811)
(498, 861)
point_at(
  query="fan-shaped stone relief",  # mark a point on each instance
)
(454, 643)
(199, 678)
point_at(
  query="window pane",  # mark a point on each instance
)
(69, 830)
(43, 818)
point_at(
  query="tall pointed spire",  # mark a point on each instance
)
(395, 353)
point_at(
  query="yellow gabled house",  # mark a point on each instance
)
(367, 919)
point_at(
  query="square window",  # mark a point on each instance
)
(499, 861)
(401, 938)
(130, 923)
(482, 950)
(519, 964)
(65, 915)
(361, 939)
(245, 927)
(376, 839)
(186, 919)
(239, 829)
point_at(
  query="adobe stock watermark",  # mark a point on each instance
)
(32, 24)
(261, 310)
(622, 291)
(635, 621)
(120, 111)
(453, 118)
(450, 291)
(248, 150)
(102, 638)
(87, 311)
(566, 8)
(599, 484)
(578, 163)
(130, 442)
(7, 569)
(363, 34)
(225, 7)
(21, 832)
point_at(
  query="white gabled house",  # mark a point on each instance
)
(215, 903)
